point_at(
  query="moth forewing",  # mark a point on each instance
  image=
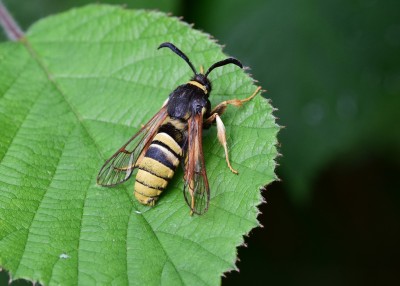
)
(119, 167)
(196, 190)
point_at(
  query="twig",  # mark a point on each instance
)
(7, 22)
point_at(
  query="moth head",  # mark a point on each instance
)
(200, 77)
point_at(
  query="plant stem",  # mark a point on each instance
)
(11, 28)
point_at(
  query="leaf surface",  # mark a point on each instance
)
(71, 94)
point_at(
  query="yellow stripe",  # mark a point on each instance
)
(151, 180)
(169, 141)
(199, 85)
(156, 168)
(145, 190)
(178, 124)
(144, 199)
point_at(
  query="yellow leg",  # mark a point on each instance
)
(222, 139)
(220, 108)
(221, 133)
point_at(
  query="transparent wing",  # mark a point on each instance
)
(196, 189)
(120, 166)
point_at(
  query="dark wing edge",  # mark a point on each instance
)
(196, 189)
(119, 167)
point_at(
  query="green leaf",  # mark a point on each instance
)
(71, 94)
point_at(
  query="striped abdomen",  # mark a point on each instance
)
(160, 161)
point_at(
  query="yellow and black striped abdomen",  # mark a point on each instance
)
(160, 161)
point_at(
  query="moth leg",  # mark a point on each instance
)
(221, 133)
(220, 108)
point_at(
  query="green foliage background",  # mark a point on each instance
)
(332, 70)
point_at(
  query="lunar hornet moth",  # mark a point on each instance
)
(173, 136)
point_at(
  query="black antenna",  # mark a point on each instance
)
(222, 63)
(179, 53)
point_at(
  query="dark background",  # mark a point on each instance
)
(332, 68)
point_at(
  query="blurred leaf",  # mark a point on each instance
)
(74, 91)
(332, 68)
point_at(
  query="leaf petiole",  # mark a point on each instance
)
(10, 27)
